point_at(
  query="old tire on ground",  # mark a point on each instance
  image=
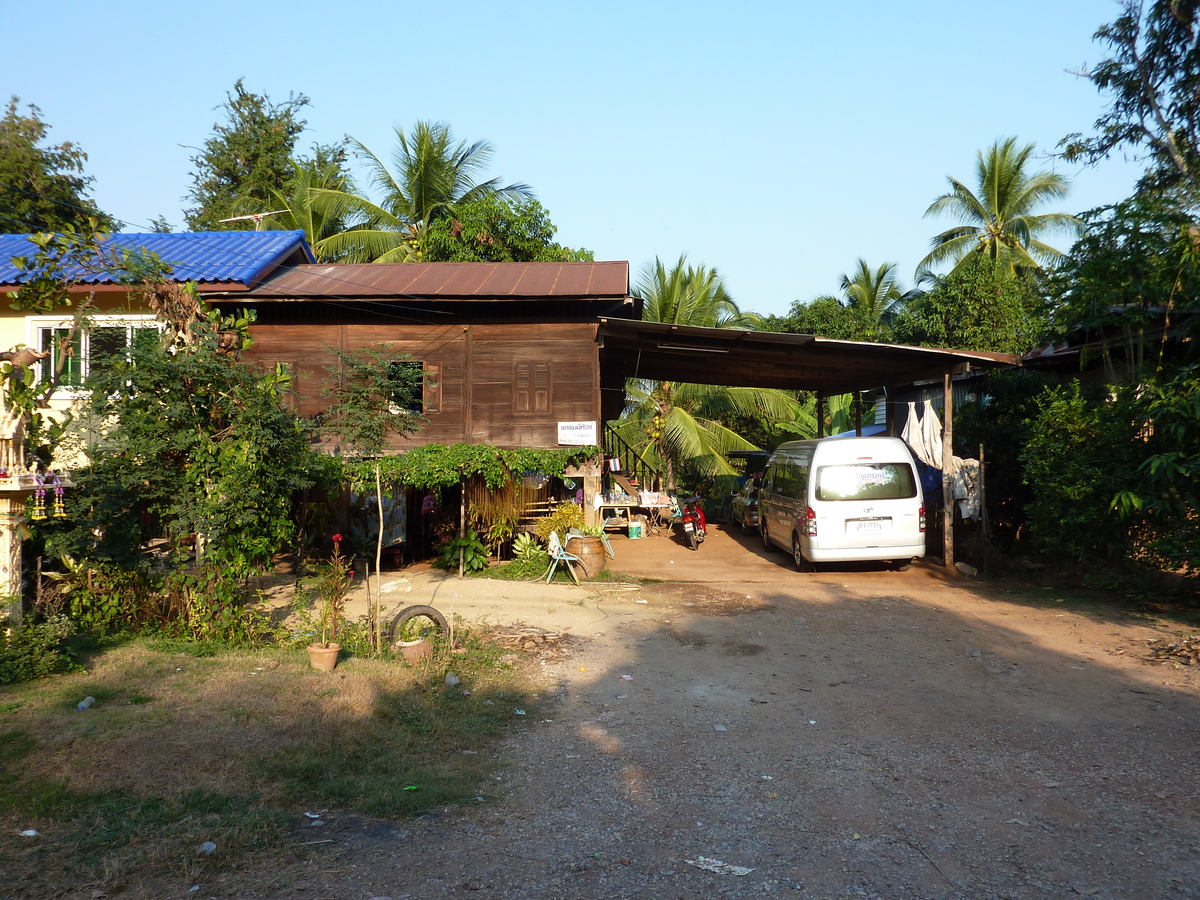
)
(406, 615)
(900, 565)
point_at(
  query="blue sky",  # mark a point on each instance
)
(777, 142)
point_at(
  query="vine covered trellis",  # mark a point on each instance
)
(440, 465)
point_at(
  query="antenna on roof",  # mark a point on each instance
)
(257, 217)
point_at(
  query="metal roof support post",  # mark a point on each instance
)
(947, 463)
(858, 413)
(820, 415)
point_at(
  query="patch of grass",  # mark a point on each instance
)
(178, 751)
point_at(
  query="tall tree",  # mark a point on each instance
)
(974, 307)
(998, 218)
(687, 295)
(684, 429)
(1153, 83)
(495, 229)
(309, 200)
(431, 176)
(870, 299)
(247, 157)
(42, 188)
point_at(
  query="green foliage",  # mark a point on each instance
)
(687, 295)
(34, 651)
(108, 596)
(194, 442)
(682, 429)
(332, 585)
(432, 176)
(247, 157)
(826, 316)
(497, 229)
(1152, 81)
(374, 391)
(1136, 264)
(45, 189)
(307, 200)
(1080, 455)
(532, 565)
(872, 297)
(208, 605)
(470, 548)
(978, 306)
(997, 219)
(562, 519)
(525, 545)
(440, 465)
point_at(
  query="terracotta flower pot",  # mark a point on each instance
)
(323, 657)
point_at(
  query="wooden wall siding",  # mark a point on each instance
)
(479, 373)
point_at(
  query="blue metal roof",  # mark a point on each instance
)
(240, 257)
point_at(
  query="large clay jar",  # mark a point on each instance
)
(590, 550)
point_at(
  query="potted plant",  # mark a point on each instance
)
(333, 583)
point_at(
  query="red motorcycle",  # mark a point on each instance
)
(695, 524)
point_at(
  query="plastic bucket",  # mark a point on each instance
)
(635, 531)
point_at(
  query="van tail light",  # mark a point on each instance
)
(811, 515)
(922, 514)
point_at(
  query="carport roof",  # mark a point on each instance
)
(727, 356)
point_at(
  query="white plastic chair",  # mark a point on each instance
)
(560, 555)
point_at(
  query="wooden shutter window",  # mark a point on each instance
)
(541, 387)
(532, 387)
(522, 376)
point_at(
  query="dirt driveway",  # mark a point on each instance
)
(849, 734)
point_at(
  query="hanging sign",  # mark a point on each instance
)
(577, 434)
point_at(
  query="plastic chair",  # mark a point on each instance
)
(604, 537)
(560, 555)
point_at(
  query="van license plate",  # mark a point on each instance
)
(869, 527)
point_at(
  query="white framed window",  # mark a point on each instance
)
(106, 338)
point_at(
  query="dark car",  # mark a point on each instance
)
(743, 508)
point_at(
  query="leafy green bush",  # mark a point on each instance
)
(1079, 456)
(565, 517)
(532, 565)
(474, 553)
(35, 651)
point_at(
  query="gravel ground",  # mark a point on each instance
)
(860, 734)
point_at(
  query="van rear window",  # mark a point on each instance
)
(866, 481)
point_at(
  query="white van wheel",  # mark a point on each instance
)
(901, 565)
(802, 564)
(762, 528)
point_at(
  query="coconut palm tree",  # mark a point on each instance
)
(309, 201)
(430, 175)
(676, 426)
(871, 296)
(998, 217)
(687, 295)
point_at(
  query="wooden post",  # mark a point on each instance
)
(591, 487)
(858, 414)
(947, 462)
(889, 416)
(820, 415)
(983, 514)
(462, 518)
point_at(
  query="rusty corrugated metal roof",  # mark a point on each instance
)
(449, 281)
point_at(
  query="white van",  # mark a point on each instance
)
(843, 499)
